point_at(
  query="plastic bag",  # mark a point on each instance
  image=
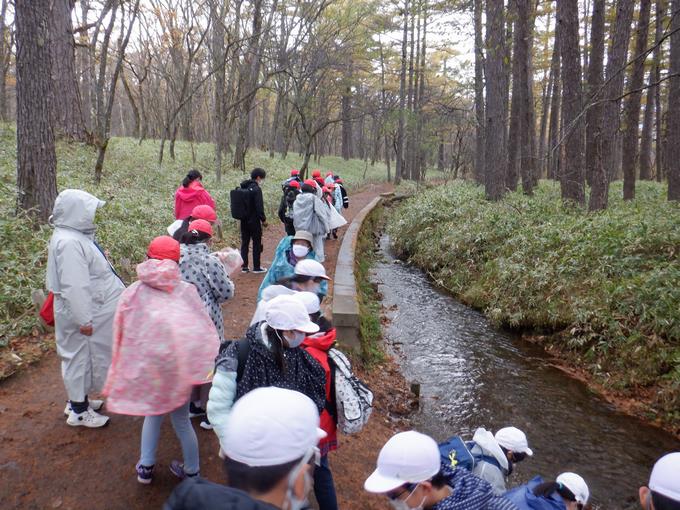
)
(230, 258)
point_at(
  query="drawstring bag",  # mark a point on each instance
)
(354, 400)
(47, 310)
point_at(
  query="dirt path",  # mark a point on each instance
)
(46, 464)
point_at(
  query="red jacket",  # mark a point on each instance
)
(318, 345)
(188, 198)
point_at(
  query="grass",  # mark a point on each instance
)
(140, 201)
(603, 287)
(368, 298)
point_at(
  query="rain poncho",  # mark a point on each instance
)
(283, 266)
(486, 445)
(86, 290)
(337, 198)
(164, 342)
(208, 274)
(312, 215)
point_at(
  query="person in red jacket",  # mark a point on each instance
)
(190, 194)
(318, 345)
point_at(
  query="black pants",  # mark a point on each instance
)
(251, 231)
(290, 227)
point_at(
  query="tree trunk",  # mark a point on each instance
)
(673, 162)
(595, 173)
(4, 51)
(554, 125)
(572, 176)
(66, 105)
(479, 94)
(660, 11)
(527, 164)
(217, 15)
(495, 91)
(614, 75)
(632, 104)
(515, 119)
(346, 105)
(402, 99)
(36, 156)
(646, 136)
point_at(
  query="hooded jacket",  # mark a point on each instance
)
(256, 203)
(163, 343)
(312, 215)
(470, 493)
(318, 345)
(282, 267)
(208, 274)
(195, 493)
(525, 499)
(86, 290)
(188, 198)
(494, 473)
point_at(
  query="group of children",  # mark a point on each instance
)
(157, 348)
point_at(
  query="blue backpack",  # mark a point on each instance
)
(454, 452)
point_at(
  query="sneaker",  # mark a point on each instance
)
(89, 418)
(144, 474)
(260, 270)
(177, 469)
(195, 411)
(245, 270)
(205, 424)
(95, 405)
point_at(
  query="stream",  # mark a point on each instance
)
(474, 375)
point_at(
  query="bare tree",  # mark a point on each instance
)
(402, 98)
(595, 172)
(632, 103)
(673, 163)
(36, 156)
(479, 93)
(572, 177)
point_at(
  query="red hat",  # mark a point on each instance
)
(329, 173)
(163, 247)
(325, 189)
(316, 173)
(294, 184)
(201, 226)
(204, 212)
(294, 172)
(310, 182)
(339, 180)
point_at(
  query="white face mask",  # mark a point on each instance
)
(401, 504)
(300, 251)
(296, 340)
(292, 502)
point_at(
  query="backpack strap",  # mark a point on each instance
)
(243, 348)
(332, 405)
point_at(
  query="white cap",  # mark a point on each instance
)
(276, 290)
(310, 300)
(665, 477)
(310, 267)
(303, 235)
(271, 426)
(288, 313)
(408, 457)
(576, 484)
(513, 439)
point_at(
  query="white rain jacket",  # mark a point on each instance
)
(310, 214)
(86, 291)
(486, 444)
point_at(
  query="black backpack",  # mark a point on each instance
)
(240, 199)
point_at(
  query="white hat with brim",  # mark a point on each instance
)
(408, 457)
(665, 477)
(513, 439)
(310, 267)
(576, 484)
(310, 300)
(287, 313)
(270, 427)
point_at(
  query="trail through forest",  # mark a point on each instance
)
(44, 463)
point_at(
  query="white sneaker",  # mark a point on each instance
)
(95, 405)
(89, 418)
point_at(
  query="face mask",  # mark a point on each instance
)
(296, 340)
(398, 504)
(292, 501)
(300, 251)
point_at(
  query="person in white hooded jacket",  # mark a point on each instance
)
(86, 290)
(311, 215)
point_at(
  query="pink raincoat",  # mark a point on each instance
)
(188, 198)
(163, 343)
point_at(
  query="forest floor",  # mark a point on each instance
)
(44, 463)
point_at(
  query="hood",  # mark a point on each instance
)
(554, 502)
(322, 341)
(75, 209)
(188, 193)
(159, 274)
(487, 442)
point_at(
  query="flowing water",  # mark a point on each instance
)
(474, 375)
